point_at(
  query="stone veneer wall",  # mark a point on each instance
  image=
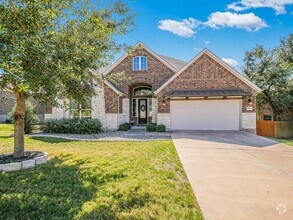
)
(57, 113)
(164, 119)
(124, 116)
(98, 106)
(111, 121)
(248, 121)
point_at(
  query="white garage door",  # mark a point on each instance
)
(205, 115)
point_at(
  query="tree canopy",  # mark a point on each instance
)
(272, 71)
(49, 47)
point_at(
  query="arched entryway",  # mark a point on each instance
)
(141, 104)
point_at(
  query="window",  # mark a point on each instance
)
(134, 107)
(142, 91)
(267, 117)
(80, 111)
(140, 63)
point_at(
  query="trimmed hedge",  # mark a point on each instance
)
(72, 126)
(124, 127)
(161, 128)
(151, 127)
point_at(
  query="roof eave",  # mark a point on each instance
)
(148, 50)
(231, 69)
(113, 88)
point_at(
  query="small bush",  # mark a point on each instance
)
(151, 127)
(72, 126)
(8, 121)
(161, 128)
(124, 127)
(30, 117)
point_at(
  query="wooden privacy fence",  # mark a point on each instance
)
(275, 129)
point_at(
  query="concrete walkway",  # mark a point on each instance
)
(238, 175)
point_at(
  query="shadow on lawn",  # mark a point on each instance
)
(54, 190)
(52, 140)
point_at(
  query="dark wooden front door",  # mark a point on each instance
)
(142, 111)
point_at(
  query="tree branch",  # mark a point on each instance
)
(16, 15)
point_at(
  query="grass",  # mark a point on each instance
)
(97, 180)
(285, 141)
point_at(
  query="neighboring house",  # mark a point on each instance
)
(266, 113)
(7, 102)
(204, 94)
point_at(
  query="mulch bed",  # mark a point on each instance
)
(8, 158)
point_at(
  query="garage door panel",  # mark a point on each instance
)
(205, 115)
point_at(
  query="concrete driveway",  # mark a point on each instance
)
(237, 175)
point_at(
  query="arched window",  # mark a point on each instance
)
(140, 63)
(142, 91)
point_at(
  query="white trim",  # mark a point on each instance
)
(149, 87)
(148, 50)
(113, 88)
(221, 62)
(139, 63)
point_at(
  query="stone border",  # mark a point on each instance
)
(24, 164)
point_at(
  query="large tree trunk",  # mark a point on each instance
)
(19, 126)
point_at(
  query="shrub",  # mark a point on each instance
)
(151, 127)
(124, 127)
(30, 117)
(161, 128)
(72, 126)
(8, 121)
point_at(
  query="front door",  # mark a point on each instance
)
(142, 111)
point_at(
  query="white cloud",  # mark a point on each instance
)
(197, 49)
(249, 22)
(231, 62)
(206, 42)
(277, 5)
(182, 28)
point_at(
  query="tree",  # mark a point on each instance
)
(272, 71)
(30, 117)
(49, 47)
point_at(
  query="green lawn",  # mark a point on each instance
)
(285, 141)
(97, 180)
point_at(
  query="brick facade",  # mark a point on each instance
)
(111, 100)
(205, 73)
(7, 102)
(156, 75)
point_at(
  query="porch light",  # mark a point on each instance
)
(250, 101)
(164, 102)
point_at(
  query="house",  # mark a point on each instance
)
(266, 113)
(7, 102)
(203, 94)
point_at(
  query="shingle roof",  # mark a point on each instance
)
(208, 93)
(114, 87)
(177, 64)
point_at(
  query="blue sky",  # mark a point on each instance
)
(180, 29)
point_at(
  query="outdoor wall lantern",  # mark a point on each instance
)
(250, 101)
(164, 102)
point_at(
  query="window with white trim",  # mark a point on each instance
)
(77, 110)
(142, 91)
(140, 63)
